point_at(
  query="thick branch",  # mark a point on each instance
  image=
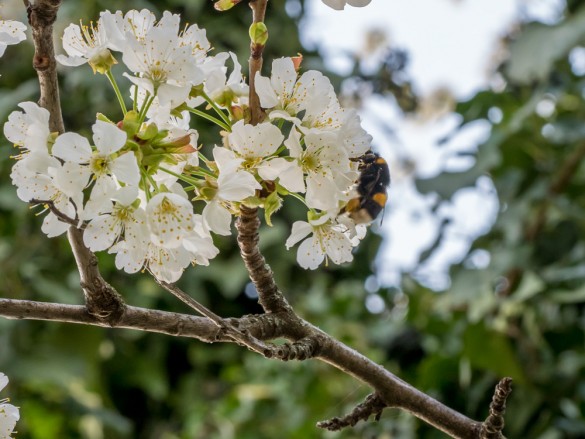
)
(41, 16)
(101, 299)
(397, 393)
(269, 296)
(303, 349)
(170, 323)
(255, 63)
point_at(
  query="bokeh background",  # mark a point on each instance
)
(477, 272)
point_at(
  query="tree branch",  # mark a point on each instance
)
(163, 322)
(269, 296)
(255, 63)
(51, 205)
(233, 332)
(373, 405)
(41, 16)
(396, 392)
(494, 424)
(101, 299)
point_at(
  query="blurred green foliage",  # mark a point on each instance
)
(522, 316)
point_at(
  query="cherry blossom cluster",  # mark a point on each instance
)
(143, 189)
(9, 414)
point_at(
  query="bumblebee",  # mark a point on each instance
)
(371, 187)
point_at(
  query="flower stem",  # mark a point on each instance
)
(147, 103)
(210, 118)
(117, 91)
(221, 114)
(181, 177)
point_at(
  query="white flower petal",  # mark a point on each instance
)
(267, 95)
(170, 219)
(108, 137)
(125, 169)
(53, 226)
(283, 76)
(236, 185)
(309, 254)
(72, 147)
(101, 233)
(217, 218)
(300, 229)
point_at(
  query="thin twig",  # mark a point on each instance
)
(242, 337)
(493, 426)
(189, 301)
(51, 205)
(373, 405)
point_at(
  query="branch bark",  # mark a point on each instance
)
(141, 319)
(41, 16)
(269, 296)
(255, 63)
(101, 299)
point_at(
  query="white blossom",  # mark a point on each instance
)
(9, 414)
(328, 239)
(45, 179)
(29, 129)
(223, 89)
(105, 162)
(92, 44)
(325, 165)
(166, 264)
(285, 95)
(163, 63)
(11, 32)
(233, 185)
(254, 142)
(170, 219)
(199, 243)
(124, 218)
(352, 136)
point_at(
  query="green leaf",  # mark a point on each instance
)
(490, 350)
(533, 54)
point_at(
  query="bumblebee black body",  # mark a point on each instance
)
(372, 187)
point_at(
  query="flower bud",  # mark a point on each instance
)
(224, 5)
(259, 33)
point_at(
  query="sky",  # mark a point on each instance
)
(451, 44)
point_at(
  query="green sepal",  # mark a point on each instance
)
(272, 203)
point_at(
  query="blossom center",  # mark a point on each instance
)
(100, 165)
